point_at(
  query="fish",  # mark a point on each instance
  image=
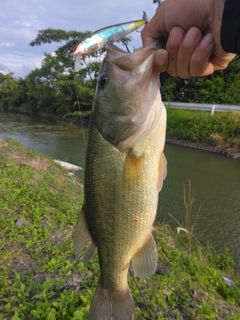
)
(124, 171)
(97, 40)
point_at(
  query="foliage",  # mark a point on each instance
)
(40, 278)
(52, 88)
(222, 129)
(222, 87)
(12, 91)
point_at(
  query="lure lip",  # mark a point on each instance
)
(140, 21)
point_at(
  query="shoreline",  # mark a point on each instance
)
(219, 149)
(223, 150)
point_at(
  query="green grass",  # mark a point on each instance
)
(222, 129)
(40, 278)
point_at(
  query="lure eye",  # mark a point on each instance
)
(103, 79)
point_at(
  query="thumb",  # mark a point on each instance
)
(153, 30)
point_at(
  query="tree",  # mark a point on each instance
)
(54, 85)
(67, 39)
(222, 87)
(13, 92)
(56, 79)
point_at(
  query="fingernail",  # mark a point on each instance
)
(176, 35)
(207, 40)
(191, 36)
(161, 60)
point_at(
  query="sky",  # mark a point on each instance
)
(20, 21)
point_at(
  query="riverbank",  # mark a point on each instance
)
(40, 278)
(218, 133)
(54, 117)
(220, 149)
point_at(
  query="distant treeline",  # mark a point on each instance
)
(51, 88)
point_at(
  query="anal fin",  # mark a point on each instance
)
(90, 251)
(144, 262)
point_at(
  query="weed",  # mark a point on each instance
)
(188, 226)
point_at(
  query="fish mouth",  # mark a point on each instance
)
(127, 61)
(136, 68)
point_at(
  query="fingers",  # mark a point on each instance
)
(174, 42)
(151, 31)
(194, 54)
(187, 54)
(166, 60)
(160, 62)
(200, 64)
(184, 22)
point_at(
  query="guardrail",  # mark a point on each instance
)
(200, 106)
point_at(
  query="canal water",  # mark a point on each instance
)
(215, 179)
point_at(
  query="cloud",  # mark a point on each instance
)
(20, 22)
(26, 68)
(21, 63)
(6, 44)
(17, 35)
(4, 69)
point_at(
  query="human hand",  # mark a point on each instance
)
(192, 28)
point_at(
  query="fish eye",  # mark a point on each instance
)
(103, 79)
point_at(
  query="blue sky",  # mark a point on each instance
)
(20, 21)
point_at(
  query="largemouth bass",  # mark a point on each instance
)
(124, 171)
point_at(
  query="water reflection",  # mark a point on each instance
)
(215, 178)
(216, 182)
(61, 141)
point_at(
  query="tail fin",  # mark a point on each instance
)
(108, 305)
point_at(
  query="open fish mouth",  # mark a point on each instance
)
(130, 61)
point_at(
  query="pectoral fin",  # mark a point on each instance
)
(162, 171)
(82, 233)
(144, 262)
(132, 170)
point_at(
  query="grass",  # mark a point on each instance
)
(220, 130)
(40, 278)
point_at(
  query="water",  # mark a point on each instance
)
(62, 141)
(215, 179)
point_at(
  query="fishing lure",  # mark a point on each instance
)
(97, 40)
